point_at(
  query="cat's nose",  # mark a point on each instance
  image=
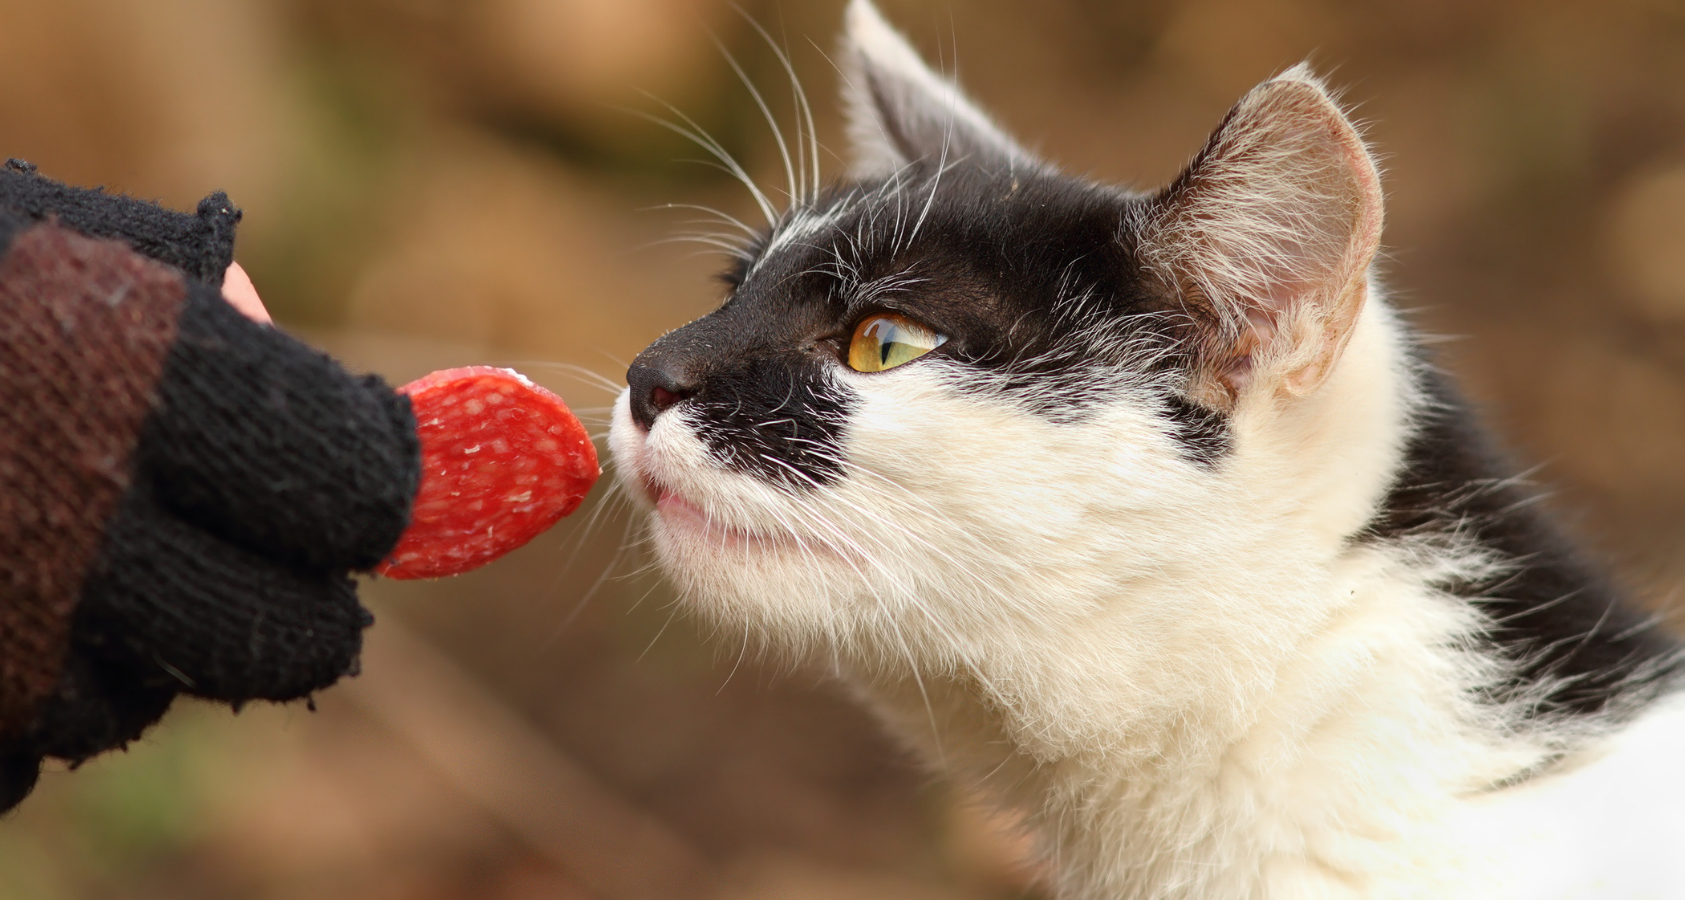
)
(654, 389)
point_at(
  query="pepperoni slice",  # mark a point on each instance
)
(502, 460)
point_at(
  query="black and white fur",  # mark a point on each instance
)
(1178, 545)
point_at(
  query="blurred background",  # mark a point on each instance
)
(444, 182)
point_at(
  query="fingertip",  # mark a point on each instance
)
(210, 618)
(238, 290)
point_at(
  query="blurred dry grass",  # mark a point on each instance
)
(442, 182)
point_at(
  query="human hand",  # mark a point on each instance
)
(183, 491)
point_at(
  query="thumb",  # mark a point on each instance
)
(238, 290)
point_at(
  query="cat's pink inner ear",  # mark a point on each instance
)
(1268, 237)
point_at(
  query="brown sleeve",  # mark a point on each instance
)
(85, 326)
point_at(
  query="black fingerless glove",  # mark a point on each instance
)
(183, 491)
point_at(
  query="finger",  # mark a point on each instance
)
(274, 446)
(238, 290)
(222, 622)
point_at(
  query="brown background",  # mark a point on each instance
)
(443, 182)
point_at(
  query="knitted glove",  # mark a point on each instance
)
(183, 491)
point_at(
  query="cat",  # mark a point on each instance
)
(1145, 516)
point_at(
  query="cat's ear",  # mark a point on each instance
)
(900, 111)
(1268, 237)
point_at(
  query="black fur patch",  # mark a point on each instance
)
(751, 377)
(1031, 277)
(1558, 617)
(1203, 434)
(776, 418)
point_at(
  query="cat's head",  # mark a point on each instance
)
(961, 398)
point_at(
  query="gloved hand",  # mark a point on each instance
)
(183, 491)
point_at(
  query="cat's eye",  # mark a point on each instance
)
(886, 340)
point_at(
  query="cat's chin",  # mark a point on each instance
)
(744, 579)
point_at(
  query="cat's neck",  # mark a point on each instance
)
(1317, 771)
(1305, 739)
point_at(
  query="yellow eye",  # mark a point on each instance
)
(886, 340)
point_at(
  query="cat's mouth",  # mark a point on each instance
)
(686, 519)
(689, 518)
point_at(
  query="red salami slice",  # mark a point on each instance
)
(502, 460)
